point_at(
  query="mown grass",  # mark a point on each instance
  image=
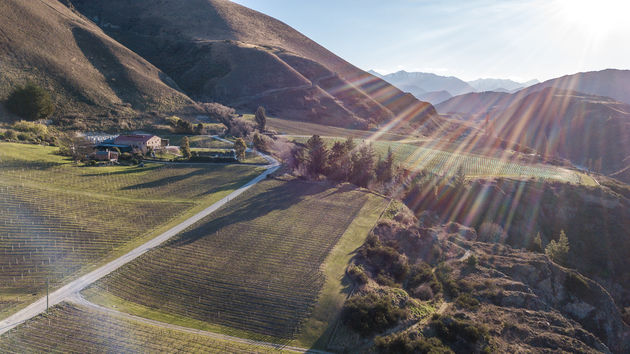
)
(58, 220)
(77, 329)
(255, 267)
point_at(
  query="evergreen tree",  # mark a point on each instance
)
(362, 165)
(261, 119)
(385, 168)
(536, 245)
(317, 155)
(339, 162)
(30, 102)
(185, 148)
(240, 147)
(460, 178)
(558, 251)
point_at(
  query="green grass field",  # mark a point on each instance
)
(70, 328)
(254, 269)
(57, 218)
(284, 126)
(447, 163)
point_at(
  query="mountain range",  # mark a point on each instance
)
(192, 51)
(436, 89)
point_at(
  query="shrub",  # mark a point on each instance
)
(467, 301)
(10, 135)
(419, 275)
(423, 292)
(371, 313)
(260, 142)
(464, 333)
(240, 147)
(491, 232)
(471, 261)
(409, 343)
(30, 102)
(384, 259)
(443, 274)
(30, 127)
(558, 251)
(357, 274)
(578, 286)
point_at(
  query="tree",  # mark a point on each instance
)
(261, 119)
(558, 251)
(460, 178)
(199, 129)
(339, 162)
(240, 147)
(185, 148)
(317, 155)
(362, 165)
(385, 168)
(259, 142)
(30, 102)
(536, 245)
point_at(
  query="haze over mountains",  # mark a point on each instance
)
(436, 89)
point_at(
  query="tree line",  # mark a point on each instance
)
(345, 161)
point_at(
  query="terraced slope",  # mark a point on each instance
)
(78, 329)
(55, 218)
(254, 266)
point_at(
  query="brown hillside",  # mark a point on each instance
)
(218, 50)
(87, 71)
(589, 130)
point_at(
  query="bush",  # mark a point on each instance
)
(467, 301)
(410, 343)
(471, 261)
(371, 313)
(491, 232)
(30, 127)
(465, 333)
(443, 274)
(30, 102)
(10, 135)
(420, 277)
(384, 259)
(357, 274)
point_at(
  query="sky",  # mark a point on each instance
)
(514, 39)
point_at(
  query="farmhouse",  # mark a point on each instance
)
(142, 142)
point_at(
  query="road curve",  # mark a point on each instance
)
(80, 283)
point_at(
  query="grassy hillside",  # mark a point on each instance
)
(80, 329)
(220, 51)
(253, 269)
(86, 71)
(57, 218)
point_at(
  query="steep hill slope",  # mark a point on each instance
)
(87, 71)
(610, 83)
(219, 50)
(474, 106)
(589, 130)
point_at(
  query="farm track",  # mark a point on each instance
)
(78, 299)
(64, 292)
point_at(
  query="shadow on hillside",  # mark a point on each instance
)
(248, 208)
(127, 171)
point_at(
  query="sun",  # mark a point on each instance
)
(596, 17)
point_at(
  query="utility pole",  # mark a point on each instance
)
(47, 284)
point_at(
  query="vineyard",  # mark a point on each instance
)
(70, 328)
(56, 218)
(284, 126)
(446, 163)
(254, 266)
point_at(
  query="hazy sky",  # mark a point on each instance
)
(517, 39)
